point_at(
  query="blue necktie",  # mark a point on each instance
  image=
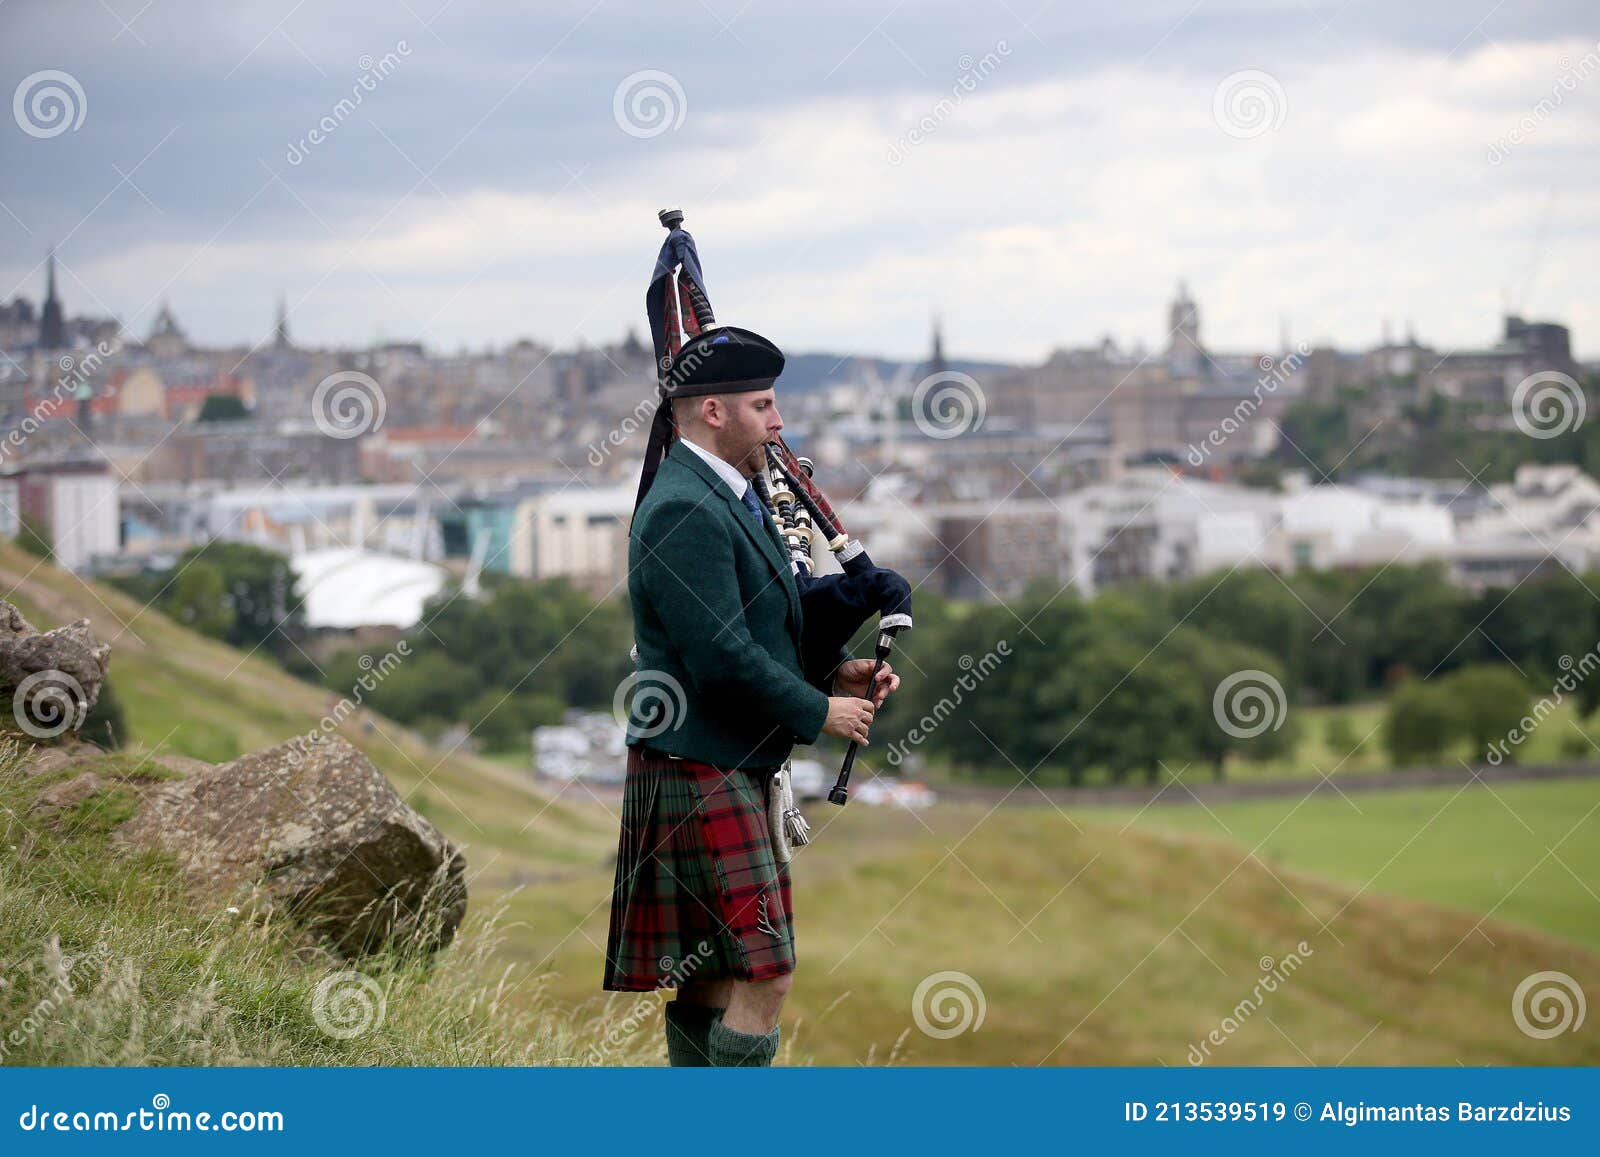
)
(753, 505)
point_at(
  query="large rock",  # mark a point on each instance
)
(315, 829)
(69, 794)
(49, 679)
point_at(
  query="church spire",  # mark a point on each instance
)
(936, 362)
(280, 338)
(1185, 356)
(52, 326)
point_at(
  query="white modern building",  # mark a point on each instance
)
(346, 588)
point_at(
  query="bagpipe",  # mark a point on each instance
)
(833, 606)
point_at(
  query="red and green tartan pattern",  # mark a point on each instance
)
(698, 893)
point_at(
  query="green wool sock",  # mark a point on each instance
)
(729, 1047)
(687, 1028)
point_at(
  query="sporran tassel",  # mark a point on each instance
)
(788, 827)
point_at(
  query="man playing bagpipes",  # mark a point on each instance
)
(730, 676)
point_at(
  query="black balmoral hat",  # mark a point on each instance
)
(725, 360)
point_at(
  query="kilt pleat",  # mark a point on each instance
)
(698, 893)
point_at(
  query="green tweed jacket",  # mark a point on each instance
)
(717, 620)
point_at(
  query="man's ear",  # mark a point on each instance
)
(714, 411)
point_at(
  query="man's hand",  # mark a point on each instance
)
(852, 676)
(849, 718)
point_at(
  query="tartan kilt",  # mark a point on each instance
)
(698, 893)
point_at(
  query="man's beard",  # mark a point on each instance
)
(756, 459)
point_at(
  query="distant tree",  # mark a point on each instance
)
(503, 723)
(1340, 736)
(1262, 474)
(546, 637)
(1255, 609)
(1576, 745)
(1418, 619)
(197, 600)
(429, 685)
(260, 590)
(1544, 626)
(1252, 720)
(222, 408)
(1013, 709)
(1319, 433)
(1128, 712)
(1490, 701)
(1421, 722)
(1588, 696)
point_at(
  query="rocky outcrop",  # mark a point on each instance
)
(50, 679)
(309, 829)
(316, 831)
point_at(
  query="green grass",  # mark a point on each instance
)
(1528, 852)
(109, 961)
(1109, 946)
(1561, 738)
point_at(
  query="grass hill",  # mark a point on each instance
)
(1083, 941)
(1528, 852)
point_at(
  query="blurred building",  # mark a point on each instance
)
(253, 451)
(75, 507)
(1158, 405)
(576, 533)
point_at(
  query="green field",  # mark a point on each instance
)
(1086, 939)
(1562, 738)
(1527, 852)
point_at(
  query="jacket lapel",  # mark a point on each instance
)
(765, 537)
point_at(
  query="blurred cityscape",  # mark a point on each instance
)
(383, 471)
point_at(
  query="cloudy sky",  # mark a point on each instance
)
(1040, 174)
